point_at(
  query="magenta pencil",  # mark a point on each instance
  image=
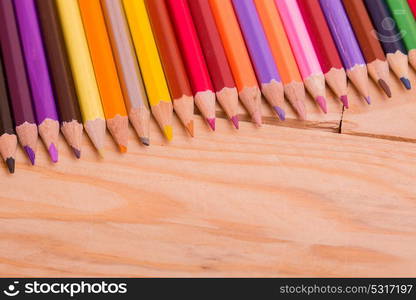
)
(37, 69)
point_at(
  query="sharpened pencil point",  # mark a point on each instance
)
(168, 131)
(101, 152)
(190, 128)
(31, 154)
(145, 141)
(385, 87)
(123, 149)
(77, 152)
(257, 119)
(344, 100)
(235, 121)
(322, 103)
(368, 99)
(53, 153)
(280, 112)
(406, 82)
(211, 123)
(10, 162)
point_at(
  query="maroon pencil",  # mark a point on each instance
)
(218, 67)
(17, 81)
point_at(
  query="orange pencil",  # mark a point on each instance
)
(283, 56)
(238, 57)
(105, 71)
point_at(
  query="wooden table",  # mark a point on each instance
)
(289, 199)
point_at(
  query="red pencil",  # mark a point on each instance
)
(412, 4)
(325, 47)
(194, 59)
(215, 57)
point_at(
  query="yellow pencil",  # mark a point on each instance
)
(83, 71)
(150, 65)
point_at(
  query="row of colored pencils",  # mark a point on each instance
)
(71, 65)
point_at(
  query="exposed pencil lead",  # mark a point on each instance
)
(30, 153)
(322, 103)
(53, 152)
(145, 141)
(190, 128)
(385, 87)
(280, 112)
(168, 131)
(406, 82)
(77, 152)
(123, 149)
(368, 99)
(10, 162)
(235, 121)
(344, 100)
(211, 122)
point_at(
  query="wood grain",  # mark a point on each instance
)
(393, 119)
(273, 201)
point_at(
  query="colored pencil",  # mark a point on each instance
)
(83, 72)
(173, 64)
(60, 74)
(218, 67)
(280, 47)
(38, 74)
(238, 58)
(412, 5)
(105, 71)
(377, 65)
(194, 59)
(406, 23)
(390, 39)
(150, 65)
(261, 55)
(347, 44)
(8, 139)
(128, 68)
(325, 48)
(17, 82)
(302, 47)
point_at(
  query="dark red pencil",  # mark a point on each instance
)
(325, 47)
(215, 57)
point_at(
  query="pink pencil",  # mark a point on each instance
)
(194, 59)
(303, 50)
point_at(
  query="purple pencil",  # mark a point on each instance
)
(37, 69)
(18, 86)
(261, 55)
(347, 45)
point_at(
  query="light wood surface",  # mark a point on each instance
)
(274, 201)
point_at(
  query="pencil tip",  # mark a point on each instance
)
(368, 99)
(280, 112)
(344, 100)
(168, 131)
(30, 153)
(322, 103)
(123, 149)
(211, 122)
(53, 153)
(257, 118)
(77, 152)
(406, 82)
(10, 162)
(145, 141)
(190, 128)
(235, 121)
(385, 87)
(101, 152)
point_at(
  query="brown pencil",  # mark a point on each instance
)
(61, 76)
(374, 56)
(8, 139)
